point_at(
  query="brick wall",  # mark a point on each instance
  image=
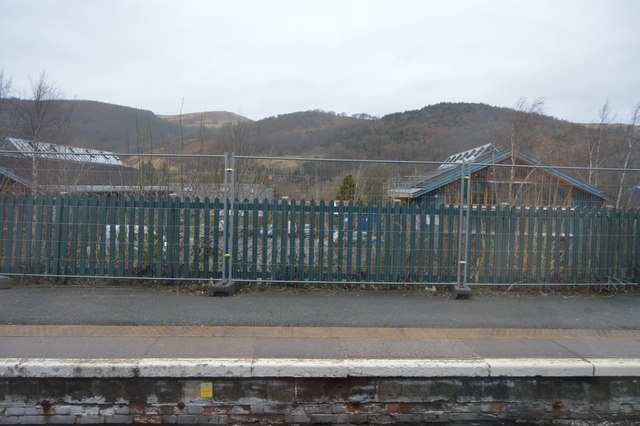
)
(320, 400)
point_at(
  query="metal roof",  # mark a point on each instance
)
(104, 188)
(52, 151)
(467, 156)
(15, 177)
(443, 176)
(568, 178)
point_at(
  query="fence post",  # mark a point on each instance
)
(9, 236)
(460, 288)
(225, 216)
(467, 229)
(226, 286)
(231, 242)
(57, 235)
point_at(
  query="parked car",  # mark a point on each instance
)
(269, 231)
(356, 236)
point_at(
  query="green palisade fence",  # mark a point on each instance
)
(166, 237)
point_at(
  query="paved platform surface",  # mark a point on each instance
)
(137, 324)
(117, 342)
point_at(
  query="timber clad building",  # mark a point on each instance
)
(494, 183)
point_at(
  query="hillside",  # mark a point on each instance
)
(428, 134)
(110, 127)
(208, 119)
(431, 133)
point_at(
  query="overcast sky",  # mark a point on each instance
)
(264, 58)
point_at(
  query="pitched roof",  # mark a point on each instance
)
(52, 151)
(61, 166)
(443, 176)
(467, 156)
(15, 177)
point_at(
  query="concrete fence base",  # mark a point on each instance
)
(5, 282)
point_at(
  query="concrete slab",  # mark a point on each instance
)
(73, 347)
(299, 348)
(5, 282)
(195, 367)
(124, 368)
(202, 347)
(417, 368)
(67, 367)
(533, 348)
(601, 348)
(299, 368)
(175, 368)
(618, 367)
(78, 347)
(543, 367)
(376, 348)
(21, 347)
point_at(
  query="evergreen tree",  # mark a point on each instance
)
(347, 190)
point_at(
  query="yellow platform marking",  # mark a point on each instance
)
(308, 332)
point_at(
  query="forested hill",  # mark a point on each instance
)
(108, 127)
(431, 133)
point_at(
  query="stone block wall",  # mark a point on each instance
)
(306, 401)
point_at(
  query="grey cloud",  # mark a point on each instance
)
(273, 57)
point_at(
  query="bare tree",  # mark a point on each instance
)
(525, 118)
(244, 139)
(5, 89)
(144, 140)
(370, 181)
(241, 138)
(181, 177)
(35, 115)
(199, 173)
(594, 143)
(632, 139)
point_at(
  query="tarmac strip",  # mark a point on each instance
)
(329, 368)
(311, 332)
